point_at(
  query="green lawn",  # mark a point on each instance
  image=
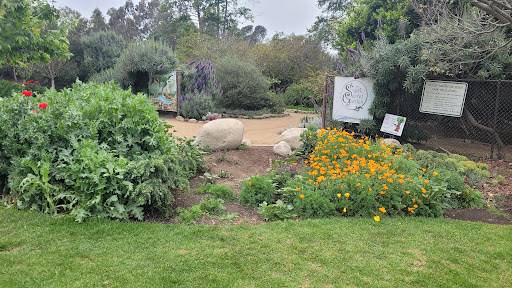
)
(38, 251)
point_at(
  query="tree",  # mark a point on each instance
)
(323, 28)
(216, 18)
(101, 50)
(97, 21)
(398, 19)
(253, 35)
(500, 9)
(23, 37)
(79, 29)
(288, 59)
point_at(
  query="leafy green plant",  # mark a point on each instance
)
(92, 150)
(277, 211)
(228, 217)
(257, 190)
(308, 141)
(212, 205)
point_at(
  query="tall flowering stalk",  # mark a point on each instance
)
(197, 100)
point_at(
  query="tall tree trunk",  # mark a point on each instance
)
(14, 72)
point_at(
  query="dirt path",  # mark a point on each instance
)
(258, 131)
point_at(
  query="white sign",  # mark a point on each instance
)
(443, 98)
(393, 124)
(352, 99)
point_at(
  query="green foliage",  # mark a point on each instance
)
(283, 171)
(95, 150)
(277, 211)
(223, 192)
(415, 133)
(212, 205)
(189, 216)
(137, 64)
(26, 35)
(7, 88)
(243, 85)
(299, 95)
(257, 190)
(348, 176)
(398, 21)
(308, 141)
(101, 50)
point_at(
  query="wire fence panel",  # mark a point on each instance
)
(486, 120)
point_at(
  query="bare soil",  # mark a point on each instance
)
(237, 165)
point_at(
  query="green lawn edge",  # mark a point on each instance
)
(40, 251)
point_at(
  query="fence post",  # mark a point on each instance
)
(178, 92)
(495, 124)
(324, 103)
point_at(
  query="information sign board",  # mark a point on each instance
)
(443, 98)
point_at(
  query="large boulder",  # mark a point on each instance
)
(282, 149)
(221, 134)
(292, 137)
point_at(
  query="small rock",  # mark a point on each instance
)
(179, 118)
(389, 141)
(280, 131)
(192, 121)
(282, 149)
(292, 137)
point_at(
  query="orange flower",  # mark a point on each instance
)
(435, 173)
(347, 195)
(401, 181)
(382, 209)
(423, 169)
(407, 192)
(413, 199)
(376, 218)
(423, 190)
(390, 180)
(302, 196)
(344, 210)
(339, 195)
(294, 164)
(298, 189)
(358, 184)
(382, 192)
(426, 181)
(370, 189)
(415, 206)
(249, 183)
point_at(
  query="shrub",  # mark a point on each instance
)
(308, 141)
(189, 216)
(299, 95)
(212, 205)
(257, 190)
(200, 91)
(137, 64)
(93, 150)
(243, 85)
(7, 88)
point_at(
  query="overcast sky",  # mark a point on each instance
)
(288, 16)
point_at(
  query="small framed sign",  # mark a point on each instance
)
(443, 98)
(393, 124)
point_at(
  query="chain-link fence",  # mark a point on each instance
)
(483, 130)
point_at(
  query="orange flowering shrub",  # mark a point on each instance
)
(348, 176)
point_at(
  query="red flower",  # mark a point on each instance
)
(25, 84)
(43, 105)
(27, 93)
(34, 111)
(37, 82)
(30, 81)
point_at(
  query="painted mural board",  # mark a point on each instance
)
(352, 99)
(443, 98)
(393, 124)
(164, 88)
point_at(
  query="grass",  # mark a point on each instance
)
(39, 251)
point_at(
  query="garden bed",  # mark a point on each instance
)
(238, 165)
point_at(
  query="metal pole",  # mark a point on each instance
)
(324, 104)
(495, 124)
(178, 86)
